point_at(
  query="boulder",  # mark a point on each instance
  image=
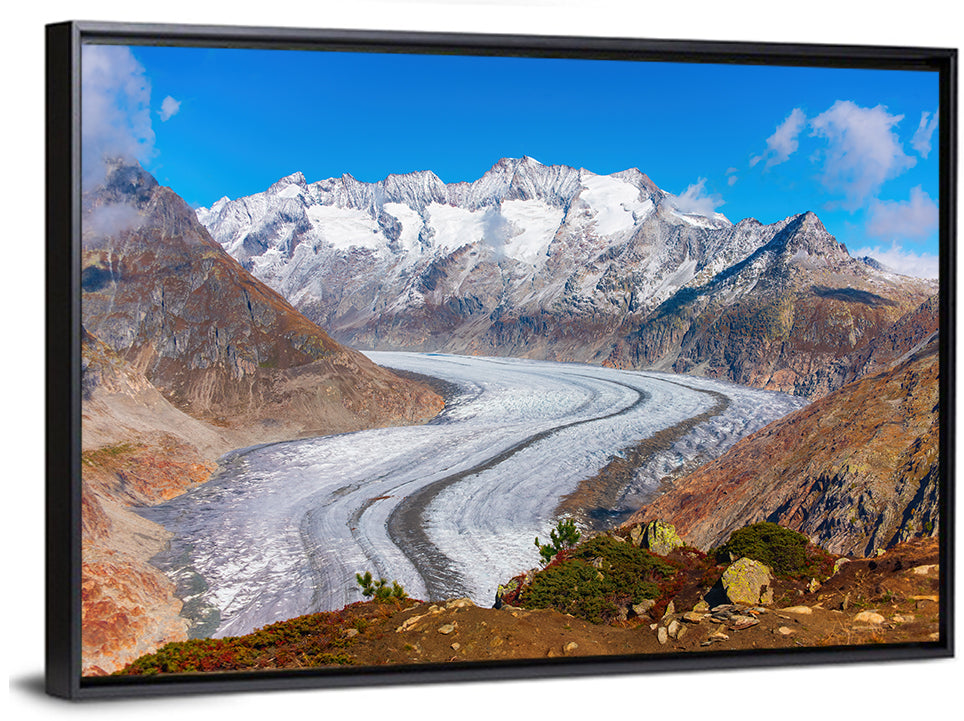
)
(642, 608)
(871, 617)
(748, 582)
(661, 537)
(464, 602)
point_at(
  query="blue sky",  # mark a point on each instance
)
(858, 147)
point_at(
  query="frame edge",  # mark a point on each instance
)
(62, 517)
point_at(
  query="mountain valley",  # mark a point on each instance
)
(229, 327)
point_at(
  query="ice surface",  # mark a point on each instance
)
(282, 529)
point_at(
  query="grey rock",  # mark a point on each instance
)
(662, 635)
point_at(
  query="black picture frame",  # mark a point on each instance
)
(63, 338)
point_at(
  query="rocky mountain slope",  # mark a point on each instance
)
(906, 334)
(856, 471)
(186, 356)
(560, 263)
(219, 344)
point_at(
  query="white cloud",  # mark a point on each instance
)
(115, 109)
(783, 143)
(169, 108)
(107, 221)
(862, 151)
(731, 181)
(921, 141)
(905, 262)
(695, 199)
(913, 219)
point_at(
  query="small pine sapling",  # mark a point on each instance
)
(565, 535)
(380, 590)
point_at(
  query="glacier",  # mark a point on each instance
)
(450, 508)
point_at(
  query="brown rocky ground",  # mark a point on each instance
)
(892, 599)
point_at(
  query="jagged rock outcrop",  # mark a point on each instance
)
(906, 334)
(856, 471)
(559, 263)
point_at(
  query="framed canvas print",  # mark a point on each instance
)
(390, 357)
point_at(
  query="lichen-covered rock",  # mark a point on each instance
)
(504, 590)
(748, 582)
(661, 538)
(642, 608)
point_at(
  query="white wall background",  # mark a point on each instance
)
(892, 690)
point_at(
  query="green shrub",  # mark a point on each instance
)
(601, 576)
(564, 536)
(783, 550)
(380, 590)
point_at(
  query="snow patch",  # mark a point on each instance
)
(702, 221)
(617, 204)
(344, 228)
(290, 191)
(454, 226)
(538, 223)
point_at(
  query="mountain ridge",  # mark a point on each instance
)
(560, 263)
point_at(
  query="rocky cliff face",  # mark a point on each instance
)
(560, 263)
(185, 356)
(857, 470)
(905, 335)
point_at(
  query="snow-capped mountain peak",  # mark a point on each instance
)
(528, 259)
(520, 211)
